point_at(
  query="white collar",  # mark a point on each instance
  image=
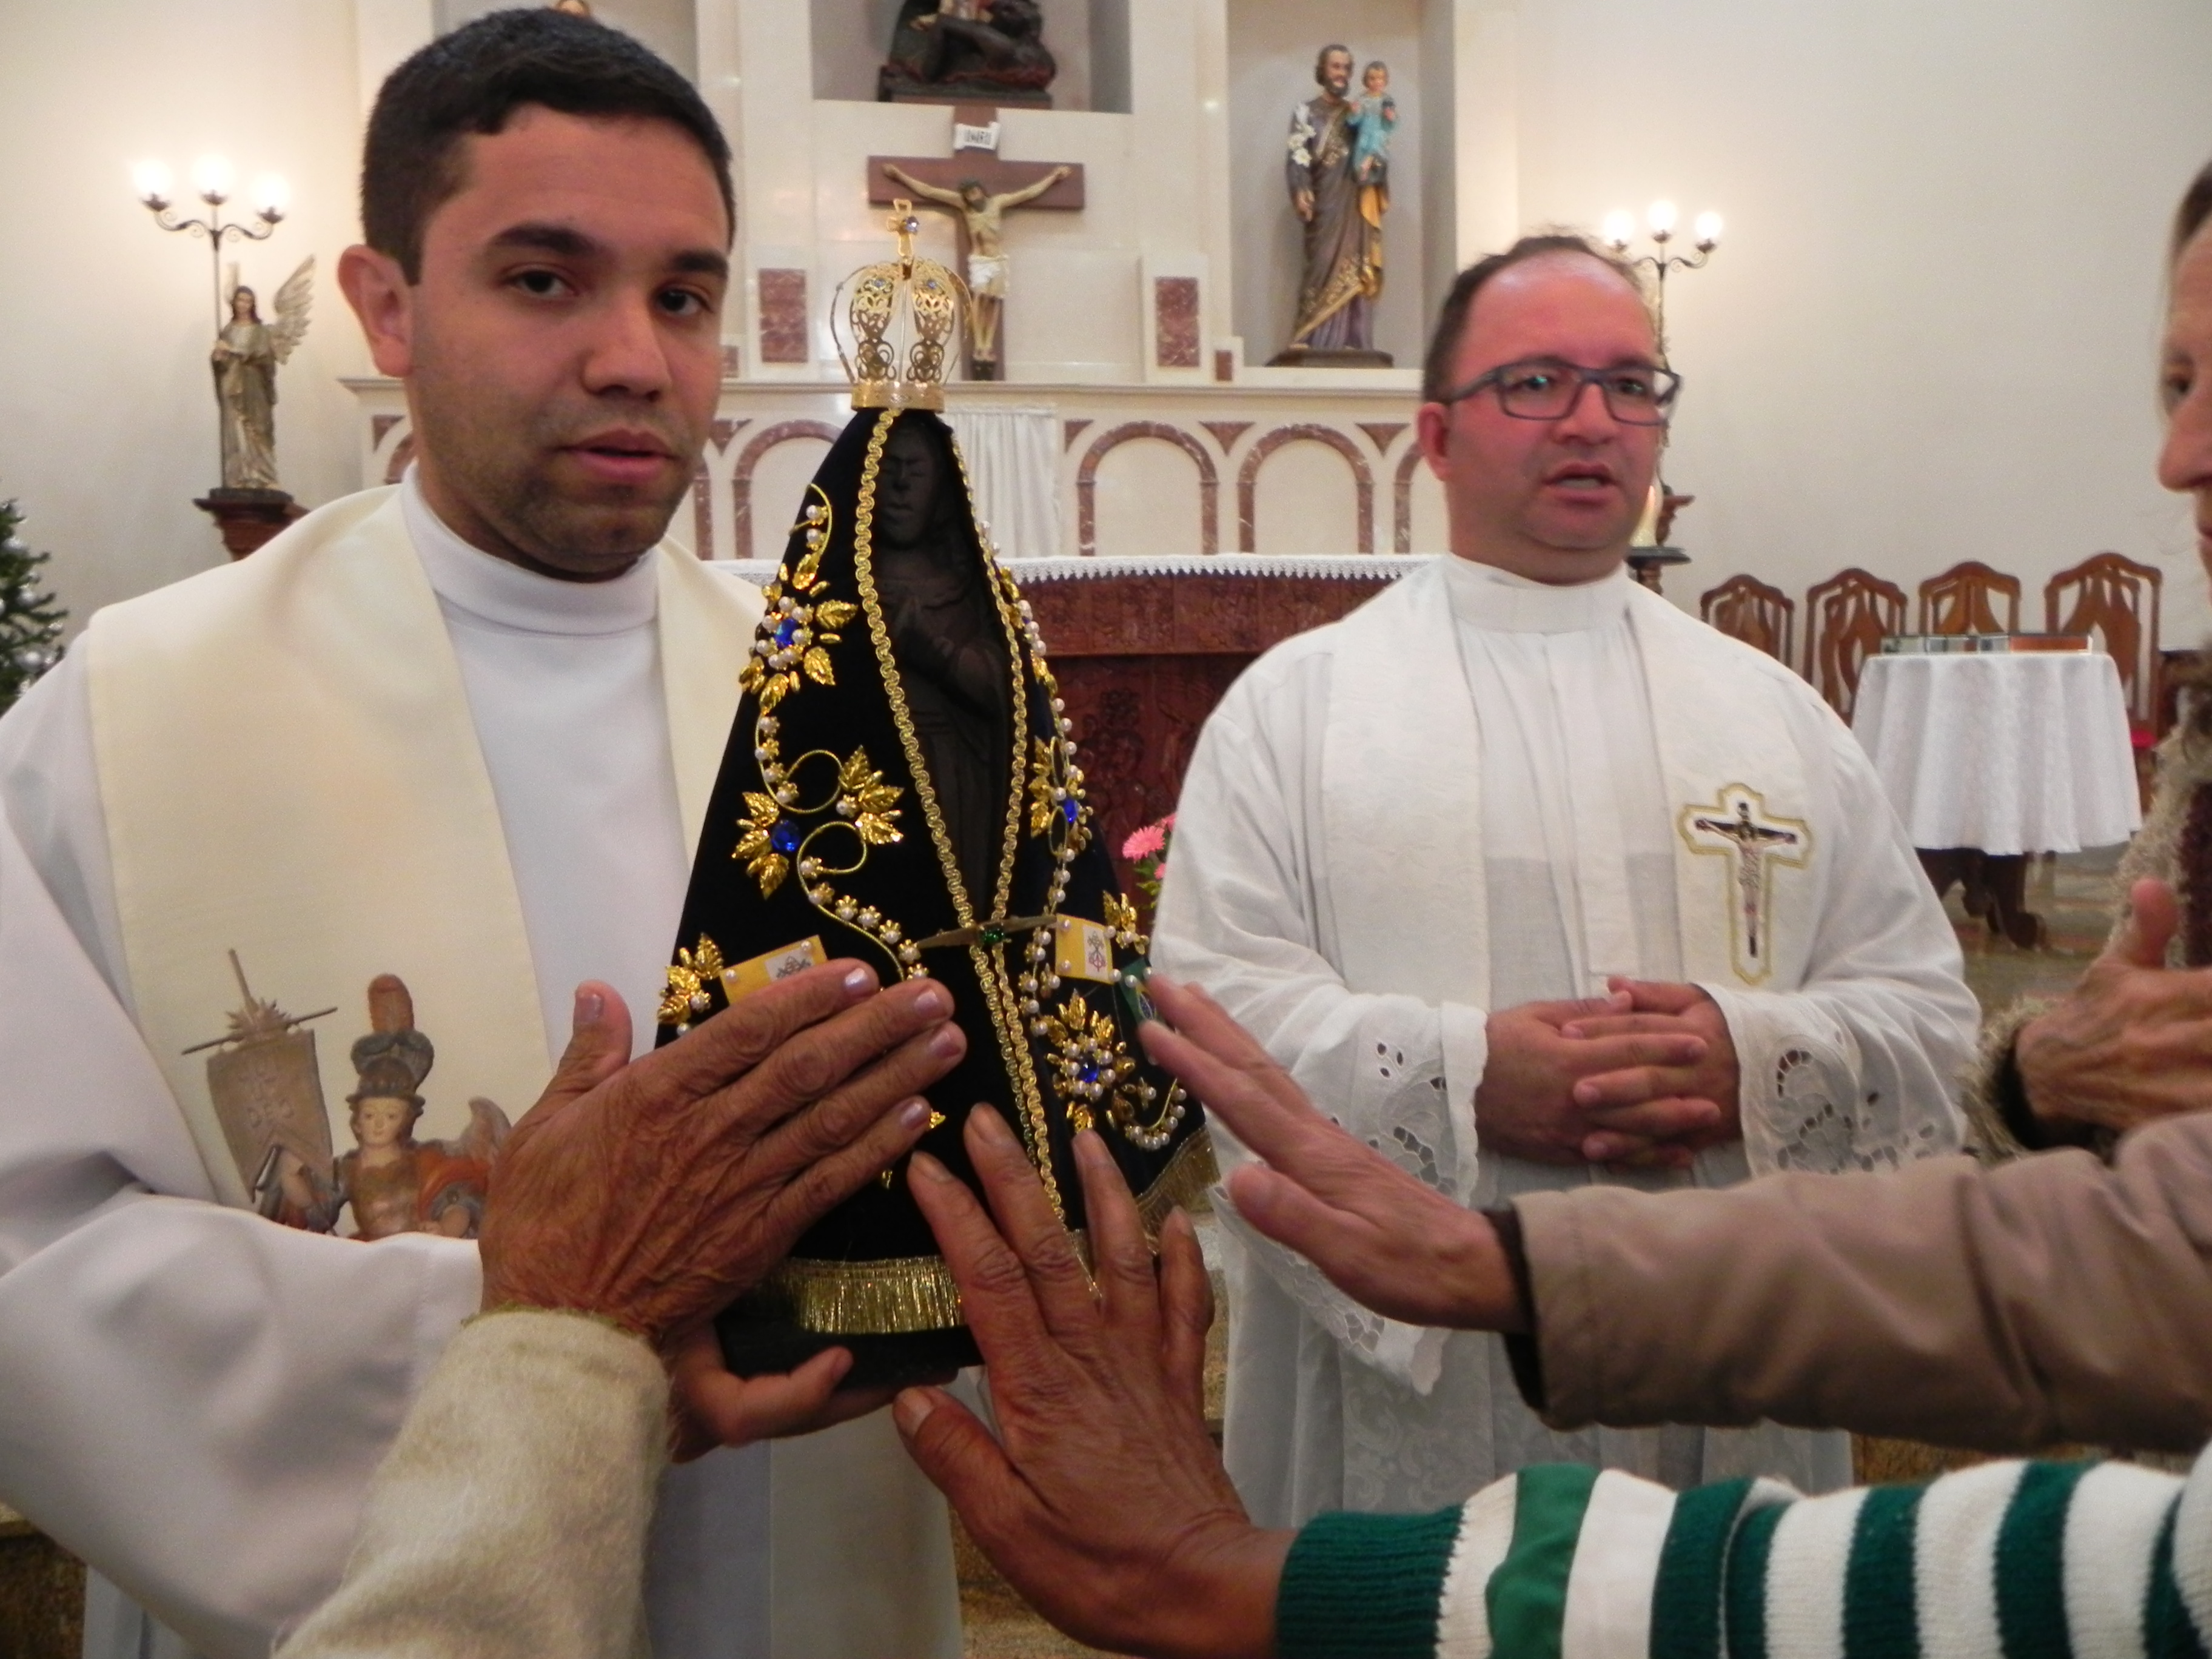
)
(490, 589)
(1483, 596)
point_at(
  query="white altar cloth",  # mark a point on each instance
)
(2022, 752)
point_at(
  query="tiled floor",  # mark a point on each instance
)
(2074, 894)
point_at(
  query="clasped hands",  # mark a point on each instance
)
(1644, 1078)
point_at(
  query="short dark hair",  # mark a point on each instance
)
(1451, 316)
(1321, 60)
(2196, 208)
(474, 79)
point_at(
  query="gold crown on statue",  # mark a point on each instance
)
(902, 320)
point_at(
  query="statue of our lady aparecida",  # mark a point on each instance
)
(902, 786)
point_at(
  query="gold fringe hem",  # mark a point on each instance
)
(1189, 1172)
(905, 1294)
(860, 1298)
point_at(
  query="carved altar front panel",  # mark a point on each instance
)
(1144, 471)
(1143, 658)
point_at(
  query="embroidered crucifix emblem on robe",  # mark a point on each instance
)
(1738, 827)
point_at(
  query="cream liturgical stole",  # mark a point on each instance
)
(1411, 885)
(288, 770)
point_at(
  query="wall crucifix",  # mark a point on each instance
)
(977, 188)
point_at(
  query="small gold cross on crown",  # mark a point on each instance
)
(906, 225)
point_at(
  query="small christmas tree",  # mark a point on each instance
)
(30, 621)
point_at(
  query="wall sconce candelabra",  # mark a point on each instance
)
(212, 182)
(1651, 554)
(1659, 219)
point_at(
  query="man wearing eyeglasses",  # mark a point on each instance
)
(1537, 882)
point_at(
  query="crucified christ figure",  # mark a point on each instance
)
(1754, 841)
(981, 213)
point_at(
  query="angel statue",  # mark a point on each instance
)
(245, 358)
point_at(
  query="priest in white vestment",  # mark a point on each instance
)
(1415, 848)
(462, 731)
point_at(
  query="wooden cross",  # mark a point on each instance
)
(939, 180)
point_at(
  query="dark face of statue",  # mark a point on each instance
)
(906, 487)
(243, 306)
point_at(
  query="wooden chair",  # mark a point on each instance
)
(1846, 619)
(2114, 600)
(1745, 608)
(1959, 600)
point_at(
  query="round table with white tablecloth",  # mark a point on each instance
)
(2000, 754)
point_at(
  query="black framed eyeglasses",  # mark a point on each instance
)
(1545, 389)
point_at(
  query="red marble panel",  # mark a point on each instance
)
(783, 317)
(1175, 322)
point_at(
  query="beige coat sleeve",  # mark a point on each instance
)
(2053, 1298)
(509, 1519)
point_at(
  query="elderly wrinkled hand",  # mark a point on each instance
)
(1103, 1500)
(1383, 1237)
(2132, 1041)
(652, 1192)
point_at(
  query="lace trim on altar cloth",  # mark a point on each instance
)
(1806, 1102)
(1328, 567)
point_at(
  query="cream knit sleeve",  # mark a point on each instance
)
(510, 1516)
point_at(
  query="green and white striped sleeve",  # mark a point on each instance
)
(2003, 1561)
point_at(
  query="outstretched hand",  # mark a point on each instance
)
(2133, 1040)
(652, 1192)
(1103, 1500)
(1383, 1237)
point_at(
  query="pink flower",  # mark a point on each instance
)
(1148, 842)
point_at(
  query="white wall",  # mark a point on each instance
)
(106, 412)
(670, 27)
(1930, 333)
(1272, 44)
(1928, 336)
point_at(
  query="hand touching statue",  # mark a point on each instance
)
(652, 1192)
